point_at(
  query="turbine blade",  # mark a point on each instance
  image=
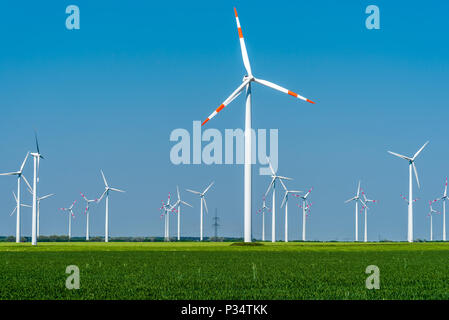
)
(115, 189)
(271, 167)
(205, 205)
(187, 204)
(233, 95)
(284, 178)
(281, 89)
(177, 191)
(284, 199)
(24, 161)
(269, 186)
(242, 45)
(104, 179)
(419, 151)
(13, 211)
(27, 183)
(207, 189)
(47, 196)
(9, 174)
(37, 142)
(283, 185)
(192, 191)
(15, 197)
(358, 189)
(416, 174)
(349, 200)
(399, 155)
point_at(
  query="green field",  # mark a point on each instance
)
(189, 270)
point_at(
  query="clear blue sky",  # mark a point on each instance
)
(108, 95)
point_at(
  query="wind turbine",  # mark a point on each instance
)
(366, 215)
(167, 209)
(357, 199)
(411, 164)
(430, 214)
(272, 184)
(36, 159)
(203, 201)
(304, 206)
(22, 205)
(177, 205)
(86, 212)
(247, 80)
(19, 175)
(107, 188)
(71, 214)
(38, 199)
(262, 211)
(444, 198)
(285, 203)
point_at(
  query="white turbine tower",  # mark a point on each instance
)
(411, 164)
(71, 214)
(39, 210)
(262, 211)
(36, 157)
(86, 212)
(444, 198)
(365, 208)
(177, 205)
(432, 211)
(272, 184)
(305, 206)
(107, 188)
(357, 199)
(167, 209)
(247, 80)
(19, 175)
(285, 203)
(203, 201)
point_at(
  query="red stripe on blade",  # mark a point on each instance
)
(240, 33)
(310, 101)
(220, 108)
(205, 122)
(292, 93)
(235, 11)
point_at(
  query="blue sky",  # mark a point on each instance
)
(108, 96)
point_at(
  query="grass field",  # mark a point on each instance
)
(222, 271)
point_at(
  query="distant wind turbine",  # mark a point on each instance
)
(107, 188)
(305, 206)
(86, 212)
(177, 207)
(22, 204)
(366, 215)
(262, 212)
(432, 211)
(19, 175)
(285, 203)
(203, 202)
(444, 198)
(167, 208)
(272, 185)
(357, 199)
(247, 80)
(411, 164)
(71, 215)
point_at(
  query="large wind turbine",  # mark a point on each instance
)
(203, 201)
(444, 198)
(177, 205)
(36, 157)
(272, 184)
(432, 211)
(262, 211)
(86, 212)
(19, 175)
(411, 164)
(107, 188)
(285, 203)
(70, 215)
(366, 215)
(357, 199)
(304, 206)
(246, 84)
